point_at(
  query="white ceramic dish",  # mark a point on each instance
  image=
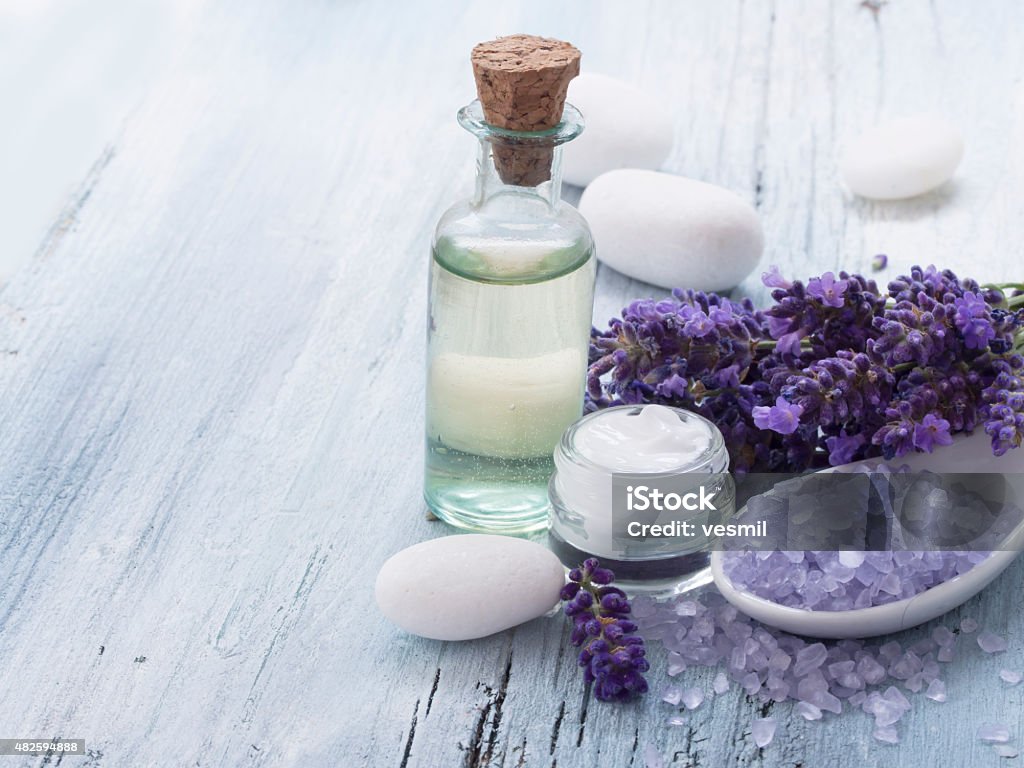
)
(968, 454)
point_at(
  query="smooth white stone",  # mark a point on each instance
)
(902, 158)
(468, 585)
(624, 128)
(672, 231)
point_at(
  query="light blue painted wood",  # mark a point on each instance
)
(210, 422)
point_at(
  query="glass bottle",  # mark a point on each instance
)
(511, 298)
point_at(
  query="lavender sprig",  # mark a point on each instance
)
(834, 371)
(612, 657)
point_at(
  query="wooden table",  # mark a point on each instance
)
(210, 429)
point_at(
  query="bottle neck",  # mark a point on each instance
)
(491, 189)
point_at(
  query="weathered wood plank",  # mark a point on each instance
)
(211, 424)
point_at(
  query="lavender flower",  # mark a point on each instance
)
(1004, 406)
(774, 279)
(783, 417)
(843, 448)
(932, 431)
(974, 319)
(827, 289)
(833, 371)
(879, 262)
(835, 390)
(612, 657)
(827, 316)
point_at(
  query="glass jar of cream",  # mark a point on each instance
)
(641, 489)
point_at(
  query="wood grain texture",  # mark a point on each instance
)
(211, 422)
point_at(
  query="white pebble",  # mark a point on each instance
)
(469, 585)
(672, 231)
(902, 158)
(625, 128)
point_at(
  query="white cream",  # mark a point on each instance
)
(627, 439)
(653, 440)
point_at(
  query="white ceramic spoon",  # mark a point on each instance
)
(967, 454)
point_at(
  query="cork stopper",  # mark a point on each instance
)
(521, 81)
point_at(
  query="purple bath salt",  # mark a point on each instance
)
(943, 636)
(906, 666)
(672, 695)
(870, 670)
(841, 581)
(890, 650)
(990, 642)
(995, 733)
(968, 625)
(1005, 750)
(751, 683)
(807, 710)
(936, 691)
(686, 608)
(840, 668)
(652, 757)
(1010, 676)
(887, 734)
(819, 676)
(763, 730)
(888, 708)
(811, 657)
(779, 660)
(692, 698)
(676, 664)
(720, 684)
(676, 720)
(852, 559)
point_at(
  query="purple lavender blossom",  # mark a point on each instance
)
(879, 262)
(1003, 404)
(932, 431)
(783, 417)
(896, 438)
(860, 372)
(974, 319)
(612, 657)
(698, 324)
(774, 279)
(833, 390)
(843, 448)
(827, 289)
